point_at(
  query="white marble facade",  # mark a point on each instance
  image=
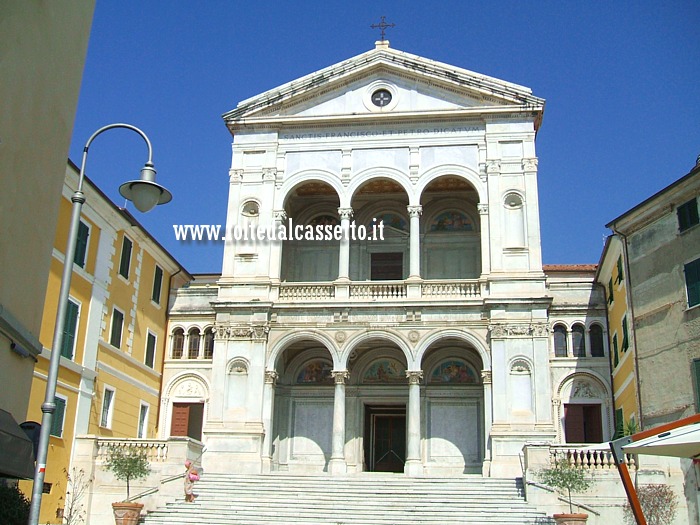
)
(429, 351)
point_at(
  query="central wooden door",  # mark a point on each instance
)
(385, 439)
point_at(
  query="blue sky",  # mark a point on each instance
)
(621, 81)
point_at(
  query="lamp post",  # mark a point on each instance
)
(145, 194)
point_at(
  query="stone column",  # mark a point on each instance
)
(268, 410)
(413, 466)
(276, 247)
(337, 464)
(344, 256)
(414, 213)
(484, 229)
(488, 419)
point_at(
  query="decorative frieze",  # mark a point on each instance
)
(518, 330)
(227, 333)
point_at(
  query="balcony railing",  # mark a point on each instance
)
(588, 457)
(376, 290)
(380, 290)
(306, 291)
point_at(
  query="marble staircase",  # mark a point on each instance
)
(367, 499)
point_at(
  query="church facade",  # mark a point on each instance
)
(382, 304)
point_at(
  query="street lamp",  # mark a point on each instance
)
(145, 194)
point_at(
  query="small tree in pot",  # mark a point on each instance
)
(567, 478)
(127, 466)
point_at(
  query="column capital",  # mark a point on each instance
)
(493, 166)
(279, 215)
(271, 377)
(345, 213)
(414, 376)
(483, 208)
(414, 211)
(486, 377)
(340, 376)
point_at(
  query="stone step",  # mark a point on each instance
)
(283, 499)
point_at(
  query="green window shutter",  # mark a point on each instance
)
(616, 357)
(58, 416)
(610, 291)
(625, 335)
(157, 284)
(81, 245)
(115, 338)
(70, 328)
(620, 273)
(150, 350)
(125, 261)
(692, 282)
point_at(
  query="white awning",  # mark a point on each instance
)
(683, 442)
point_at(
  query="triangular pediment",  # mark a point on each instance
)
(411, 84)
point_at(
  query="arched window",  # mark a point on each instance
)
(208, 343)
(597, 345)
(560, 346)
(578, 333)
(193, 346)
(178, 343)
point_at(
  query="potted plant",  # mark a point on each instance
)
(567, 478)
(127, 466)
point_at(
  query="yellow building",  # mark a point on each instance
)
(114, 336)
(612, 276)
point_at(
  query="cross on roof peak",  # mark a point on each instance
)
(382, 25)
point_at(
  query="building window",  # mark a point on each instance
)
(616, 356)
(620, 273)
(157, 284)
(193, 344)
(107, 408)
(625, 335)
(208, 343)
(150, 350)
(143, 420)
(178, 343)
(385, 266)
(692, 282)
(70, 329)
(619, 423)
(688, 214)
(597, 344)
(115, 336)
(58, 416)
(578, 333)
(81, 244)
(560, 345)
(125, 261)
(610, 291)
